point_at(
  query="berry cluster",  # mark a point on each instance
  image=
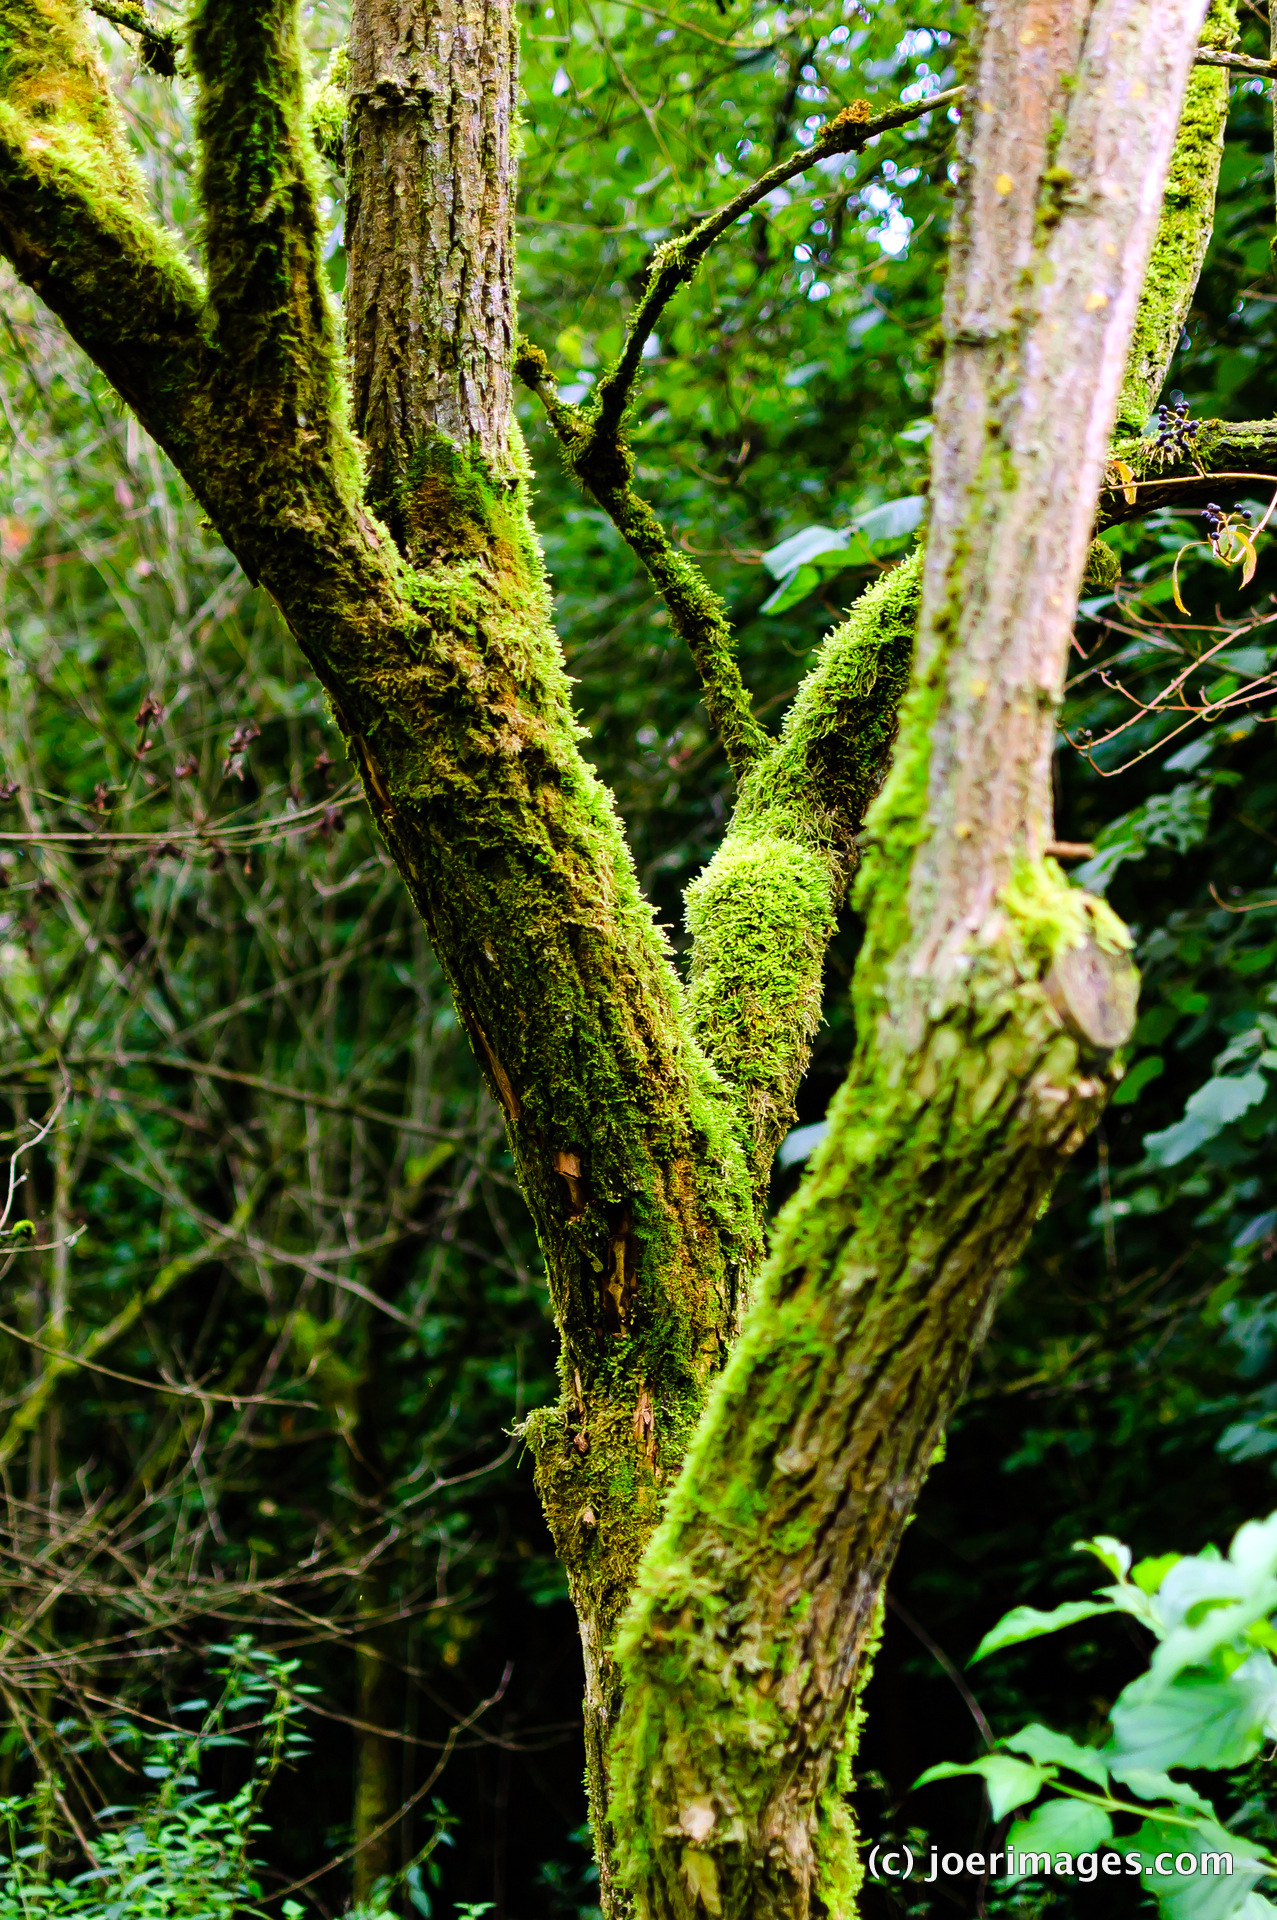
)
(1176, 433)
(1218, 525)
(1215, 519)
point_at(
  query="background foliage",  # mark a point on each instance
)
(274, 1206)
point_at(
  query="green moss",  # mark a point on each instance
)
(63, 141)
(1184, 230)
(755, 1605)
(272, 314)
(1047, 914)
(840, 1871)
(1103, 568)
(762, 913)
(328, 108)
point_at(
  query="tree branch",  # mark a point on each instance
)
(74, 218)
(1228, 457)
(259, 191)
(981, 1060)
(159, 48)
(762, 913)
(1184, 229)
(1240, 62)
(595, 452)
(696, 612)
(675, 262)
(429, 303)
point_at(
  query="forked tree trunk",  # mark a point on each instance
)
(642, 1119)
(989, 997)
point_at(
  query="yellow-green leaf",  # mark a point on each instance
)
(1175, 579)
(1127, 477)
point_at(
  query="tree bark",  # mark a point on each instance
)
(430, 236)
(989, 998)
(1184, 229)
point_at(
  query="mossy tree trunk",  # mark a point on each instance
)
(643, 1115)
(989, 997)
(642, 1122)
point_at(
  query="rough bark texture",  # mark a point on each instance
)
(432, 102)
(989, 996)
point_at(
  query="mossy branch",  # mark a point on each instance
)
(74, 217)
(697, 613)
(159, 48)
(1239, 62)
(762, 913)
(1228, 456)
(259, 191)
(975, 1071)
(1184, 230)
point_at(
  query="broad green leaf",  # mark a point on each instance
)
(1028, 1623)
(793, 588)
(1207, 1891)
(891, 525)
(1195, 1721)
(1178, 819)
(1211, 1109)
(1151, 1067)
(1049, 1748)
(1010, 1783)
(818, 553)
(1060, 1826)
(813, 543)
(1147, 1785)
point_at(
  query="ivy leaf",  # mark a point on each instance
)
(1178, 819)
(1208, 1111)
(1028, 1623)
